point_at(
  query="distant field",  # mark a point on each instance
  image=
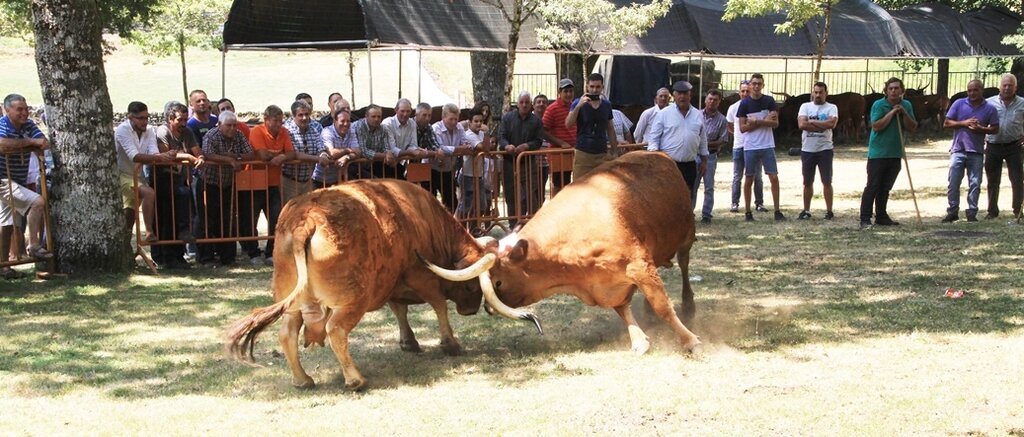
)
(255, 79)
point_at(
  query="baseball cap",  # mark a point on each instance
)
(565, 83)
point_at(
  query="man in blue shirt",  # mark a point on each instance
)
(19, 138)
(972, 118)
(592, 116)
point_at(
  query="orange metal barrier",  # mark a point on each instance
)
(18, 234)
(504, 188)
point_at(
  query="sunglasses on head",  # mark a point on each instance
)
(744, 82)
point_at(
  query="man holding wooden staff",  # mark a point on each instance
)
(885, 149)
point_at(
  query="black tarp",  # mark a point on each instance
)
(634, 80)
(860, 29)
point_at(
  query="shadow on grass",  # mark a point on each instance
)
(783, 285)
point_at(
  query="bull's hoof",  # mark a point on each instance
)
(641, 347)
(410, 346)
(695, 348)
(356, 385)
(304, 383)
(451, 349)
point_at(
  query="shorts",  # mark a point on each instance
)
(127, 190)
(822, 161)
(754, 159)
(14, 195)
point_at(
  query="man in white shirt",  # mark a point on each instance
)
(402, 130)
(758, 116)
(816, 119)
(738, 164)
(136, 143)
(1005, 145)
(678, 131)
(643, 125)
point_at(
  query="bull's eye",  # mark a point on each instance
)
(497, 284)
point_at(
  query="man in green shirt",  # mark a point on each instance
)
(885, 149)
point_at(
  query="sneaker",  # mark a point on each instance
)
(951, 217)
(804, 215)
(972, 217)
(256, 261)
(749, 216)
(886, 221)
(829, 215)
(865, 224)
(735, 208)
(705, 219)
(779, 217)
(11, 274)
(39, 252)
(761, 208)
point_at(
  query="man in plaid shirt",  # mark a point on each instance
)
(375, 144)
(224, 149)
(309, 148)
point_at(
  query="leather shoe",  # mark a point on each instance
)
(951, 217)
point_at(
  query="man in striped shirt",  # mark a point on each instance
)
(19, 137)
(561, 136)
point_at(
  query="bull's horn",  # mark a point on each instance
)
(485, 240)
(481, 265)
(498, 306)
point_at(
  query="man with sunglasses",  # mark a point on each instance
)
(759, 116)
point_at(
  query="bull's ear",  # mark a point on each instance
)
(518, 252)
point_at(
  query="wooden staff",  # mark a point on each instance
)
(903, 148)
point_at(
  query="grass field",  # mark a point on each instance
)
(810, 328)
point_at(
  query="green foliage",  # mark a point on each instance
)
(913, 65)
(182, 23)
(798, 12)
(578, 25)
(960, 5)
(116, 16)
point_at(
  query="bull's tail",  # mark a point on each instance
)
(240, 336)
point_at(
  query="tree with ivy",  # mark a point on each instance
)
(583, 26)
(798, 14)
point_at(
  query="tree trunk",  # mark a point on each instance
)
(571, 66)
(89, 227)
(184, 73)
(942, 82)
(489, 75)
(513, 42)
(823, 42)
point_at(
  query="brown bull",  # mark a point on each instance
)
(851, 107)
(344, 251)
(602, 238)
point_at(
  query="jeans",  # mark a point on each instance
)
(995, 154)
(882, 173)
(709, 186)
(737, 179)
(972, 163)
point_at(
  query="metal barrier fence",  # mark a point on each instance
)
(219, 206)
(18, 242)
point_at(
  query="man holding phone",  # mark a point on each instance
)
(592, 116)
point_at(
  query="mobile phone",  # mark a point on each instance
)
(594, 96)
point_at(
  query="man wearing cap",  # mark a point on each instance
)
(561, 136)
(592, 116)
(678, 131)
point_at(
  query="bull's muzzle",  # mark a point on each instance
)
(479, 270)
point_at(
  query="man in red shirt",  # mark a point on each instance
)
(560, 136)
